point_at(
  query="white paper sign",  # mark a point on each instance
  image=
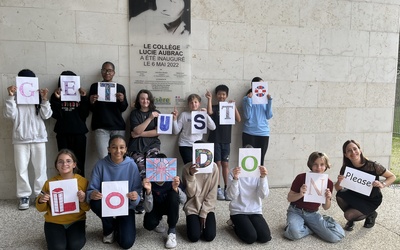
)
(199, 122)
(164, 124)
(70, 88)
(203, 156)
(316, 186)
(260, 91)
(27, 90)
(226, 113)
(107, 91)
(64, 197)
(249, 161)
(358, 181)
(115, 200)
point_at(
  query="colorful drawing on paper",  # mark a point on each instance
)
(260, 91)
(161, 169)
(63, 197)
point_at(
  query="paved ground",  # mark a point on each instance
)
(24, 229)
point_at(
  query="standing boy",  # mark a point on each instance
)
(221, 136)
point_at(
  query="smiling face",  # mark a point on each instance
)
(319, 166)
(117, 150)
(194, 104)
(107, 72)
(144, 102)
(65, 165)
(353, 153)
(170, 9)
(221, 96)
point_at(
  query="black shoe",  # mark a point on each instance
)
(370, 220)
(349, 226)
(139, 209)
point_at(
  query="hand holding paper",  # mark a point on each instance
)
(263, 171)
(81, 196)
(175, 183)
(133, 196)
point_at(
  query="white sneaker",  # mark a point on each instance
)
(108, 238)
(160, 228)
(171, 241)
(220, 194)
(23, 203)
(230, 223)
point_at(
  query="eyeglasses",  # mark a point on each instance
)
(107, 71)
(60, 162)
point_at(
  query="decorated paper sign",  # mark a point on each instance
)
(260, 91)
(64, 197)
(199, 122)
(164, 124)
(203, 157)
(316, 186)
(69, 86)
(358, 181)
(161, 169)
(115, 200)
(27, 90)
(226, 113)
(107, 91)
(249, 161)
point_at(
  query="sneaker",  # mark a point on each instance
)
(108, 238)
(160, 228)
(370, 220)
(226, 197)
(171, 241)
(23, 203)
(230, 223)
(139, 208)
(349, 226)
(220, 194)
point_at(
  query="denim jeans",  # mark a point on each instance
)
(102, 136)
(301, 223)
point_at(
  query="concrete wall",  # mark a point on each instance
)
(331, 67)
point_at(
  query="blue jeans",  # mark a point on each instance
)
(102, 136)
(301, 223)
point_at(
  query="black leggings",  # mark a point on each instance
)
(59, 237)
(251, 228)
(256, 142)
(169, 207)
(186, 154)
(194, 229)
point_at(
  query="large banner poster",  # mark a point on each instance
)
(159, 48)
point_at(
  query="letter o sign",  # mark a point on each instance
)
(243, 163)
(114, 194)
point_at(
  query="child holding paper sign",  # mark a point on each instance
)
(70, 124)
(245, 208)
(357, 206)
(66, 231)
(116, 167)
(183, 125)
(163, 198)
(221, 136)
(302, 217)
(201, 191)
(256, 125)
(29, 137)
(107, 117)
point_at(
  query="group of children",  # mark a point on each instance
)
(197, 192)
